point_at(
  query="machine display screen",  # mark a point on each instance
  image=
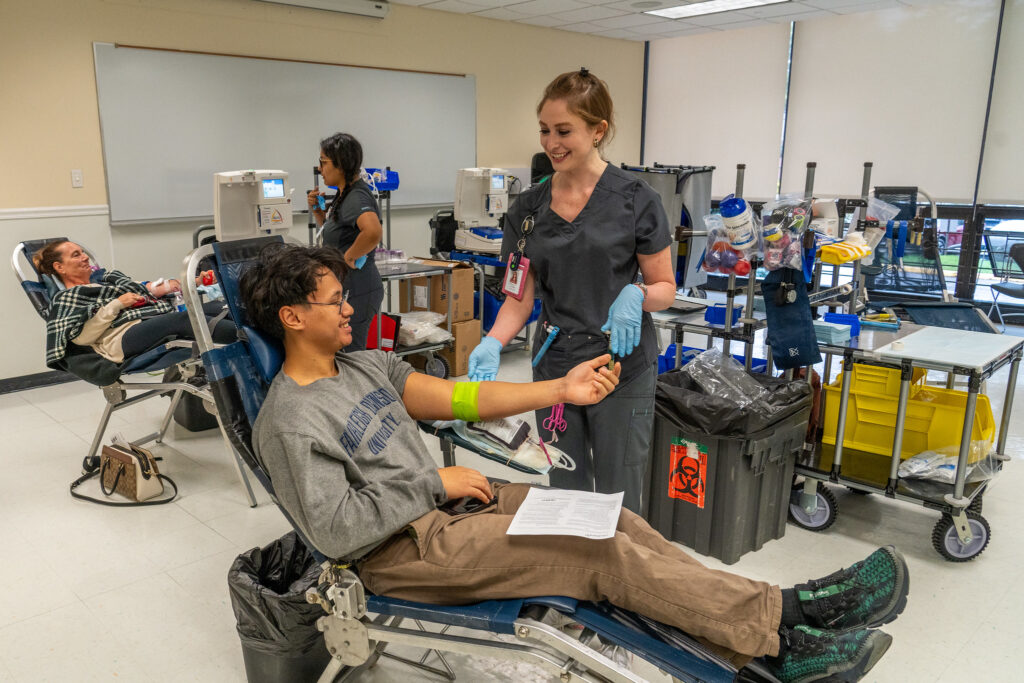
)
(273, 188)
(497, 182)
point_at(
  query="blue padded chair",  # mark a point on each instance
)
(240, 374)
(88, 365)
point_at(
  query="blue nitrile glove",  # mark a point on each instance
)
(360, 261)
(624, 319)
(483, 362)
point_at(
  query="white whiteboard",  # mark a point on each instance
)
(170, 120)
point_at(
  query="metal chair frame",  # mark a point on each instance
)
(117, 394)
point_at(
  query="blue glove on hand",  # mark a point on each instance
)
(483, 362)
(360, 262)
(624, 319)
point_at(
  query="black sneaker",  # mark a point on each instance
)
(808, 654)
(870, 593)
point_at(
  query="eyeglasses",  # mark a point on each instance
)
(340, 305)
(321, 161)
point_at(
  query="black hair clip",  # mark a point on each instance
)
(584, 71)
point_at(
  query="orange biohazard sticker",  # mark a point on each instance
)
(688, 471)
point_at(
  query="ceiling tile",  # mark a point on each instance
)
(867, 7)
(412, 2)
(628, 20)
(777, 10)
(802, 16)
(831, 4)
(542, 21)
(540, 7)
(454, 6)
(719, 18)
(582, 27)
(630, 5)
(589, 14)
(667, 26)
(621, 34)
(500, 13)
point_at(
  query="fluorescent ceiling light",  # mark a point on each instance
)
(709, 7)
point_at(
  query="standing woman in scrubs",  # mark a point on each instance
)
(599, 262)
(352, 224)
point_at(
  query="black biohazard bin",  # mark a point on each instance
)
(720, 476)
(277, 627)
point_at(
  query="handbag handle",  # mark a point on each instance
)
(117, 478)
(85, 477)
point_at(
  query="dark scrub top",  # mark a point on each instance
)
(580, 267)
(340, 230)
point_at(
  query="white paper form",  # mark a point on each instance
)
(555, 512)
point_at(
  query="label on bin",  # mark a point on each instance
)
(688, 471)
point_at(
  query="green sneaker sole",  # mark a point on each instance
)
(876, 645)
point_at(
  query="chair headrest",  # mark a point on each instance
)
(233, 259)
(267, 353)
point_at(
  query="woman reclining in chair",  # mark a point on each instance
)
(109, 312)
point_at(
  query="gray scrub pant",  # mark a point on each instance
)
(610, 441)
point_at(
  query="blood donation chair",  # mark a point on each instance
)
(88, 365)
(358, 627)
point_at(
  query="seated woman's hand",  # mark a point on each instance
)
(129, 299)
(591, 381)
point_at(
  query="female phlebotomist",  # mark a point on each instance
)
(595, 231)
(352, 224)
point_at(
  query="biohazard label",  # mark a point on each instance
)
(688, 471)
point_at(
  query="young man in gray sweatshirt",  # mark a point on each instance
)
(338, 436)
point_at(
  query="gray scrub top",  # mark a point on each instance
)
(340, 230)
(579, 267)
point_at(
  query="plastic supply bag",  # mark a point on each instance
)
(784, 221)
(721, 376)
(941, 465)
(422, 327)
(721, 256)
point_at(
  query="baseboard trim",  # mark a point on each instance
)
(39, 379)
(54, 212)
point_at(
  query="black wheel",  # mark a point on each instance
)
(436, 366)
(975, 505)
(947, 543)
(819, 520)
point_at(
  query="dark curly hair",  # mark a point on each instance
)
(285, 275)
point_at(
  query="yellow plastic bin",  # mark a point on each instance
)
(934, 418)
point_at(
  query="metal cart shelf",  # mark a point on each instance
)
(393, 271)
(962, 533)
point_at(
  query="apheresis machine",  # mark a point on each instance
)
(251, 204)
(481, 199)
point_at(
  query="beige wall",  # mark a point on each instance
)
(49, 122)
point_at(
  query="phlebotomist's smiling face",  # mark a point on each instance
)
(566, 138)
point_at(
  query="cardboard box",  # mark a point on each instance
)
(467, 336)
(413, 294)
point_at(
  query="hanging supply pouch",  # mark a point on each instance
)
(785, 221)
(790, 327)
(720, 255)
(518, 265)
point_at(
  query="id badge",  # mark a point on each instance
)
(515, 280)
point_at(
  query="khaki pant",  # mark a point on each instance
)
(448, 560)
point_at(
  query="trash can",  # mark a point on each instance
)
(720, 475)
(277, 627)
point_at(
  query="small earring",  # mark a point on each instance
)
(596, 141)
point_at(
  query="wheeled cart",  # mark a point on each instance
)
(961, 533)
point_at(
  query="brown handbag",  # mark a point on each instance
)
(130, 471)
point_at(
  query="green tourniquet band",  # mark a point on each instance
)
(464, 401)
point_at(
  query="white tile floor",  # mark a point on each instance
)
(90, 593)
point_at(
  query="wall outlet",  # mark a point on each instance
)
(76, 177)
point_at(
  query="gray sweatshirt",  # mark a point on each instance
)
(346, 460)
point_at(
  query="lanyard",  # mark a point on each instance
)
(526, 228)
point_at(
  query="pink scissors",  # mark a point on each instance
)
(556, 421)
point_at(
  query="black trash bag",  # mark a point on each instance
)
(268, 595)
(679, 399)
